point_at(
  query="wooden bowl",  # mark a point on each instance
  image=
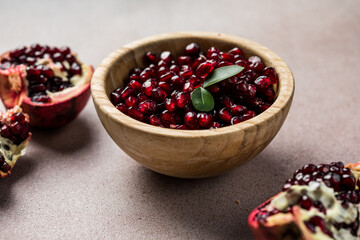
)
(188, 153)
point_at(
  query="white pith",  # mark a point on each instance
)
(10, 151)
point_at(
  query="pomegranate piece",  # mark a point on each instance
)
(318, 202)
(50, 84)
(14, 137)
(160, 93)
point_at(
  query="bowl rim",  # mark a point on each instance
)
(285, 93)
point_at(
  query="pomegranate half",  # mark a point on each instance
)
(14, 137)
(318, 202)
(50, 84)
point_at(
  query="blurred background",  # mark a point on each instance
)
(75, 183)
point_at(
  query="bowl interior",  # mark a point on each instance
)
(134, 54)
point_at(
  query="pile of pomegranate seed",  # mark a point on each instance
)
(40, 76)
(16, 130)
(333, 175)
(160, 94)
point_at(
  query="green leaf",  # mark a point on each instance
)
(222, 73)
(202, 100)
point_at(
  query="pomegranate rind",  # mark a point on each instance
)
(12, 155)
(276, 228)
(282, 226)
(64, 106)
(11, 85)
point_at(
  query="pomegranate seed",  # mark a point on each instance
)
(166, 77)
(161, 71)
(166, 87)
(17, 52)
(242, 63)
(167, 118)
(308, 168)
(190, 120)
(224, 63)
(262, 82)
(47, 72)
(58, 57)
(205, 120)
(154, 120)
(37, 88)
(188, 88)
(30, 60)
(170, 105)
(70, 58)
(152, 57)
(2, 159)
(126, 93)
(347, 182)
(269, 94)
(211, 51)
(270, 73)
(130, 101)
(64, 50)
(122, 107)
(227, 57)
(75, 69)
(215, 56)
(226, 101)
(249, 114)
(32, 72)
(136, 114)
(182, 99)
(192, 49)
(204, 69)
(5, 167)
(251, 90)
(41, 98)
(215, 125)
(166, 56)
(235, 120)
(135, 86)
(197, 62)
(147, 106)
(158, 94)
(163, 63)
(236, 51)
(18, 117)
(5, 131)
(186, 74)
(214, 89)
(225, 115)
(146, 74)
(176, 80)
(332, 179)
(305, 202)
(184, 60)
(255, 63)
(236, 110)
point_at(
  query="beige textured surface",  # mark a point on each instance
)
(75, 183)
